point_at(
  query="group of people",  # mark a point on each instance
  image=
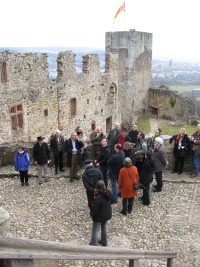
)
(72, 147)
(124, 157)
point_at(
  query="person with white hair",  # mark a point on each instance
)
(73, 149)
(160, 162)
(57, 147)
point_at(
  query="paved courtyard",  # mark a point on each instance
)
(57, 211)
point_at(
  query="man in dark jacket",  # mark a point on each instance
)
(115, 163)
(41, 156)
(57, 147)
(96, 139)
(73, 148)
(102, 160)
(133, 134)
(181, 149)
(113, 136)
(90, 177)
(160, 162)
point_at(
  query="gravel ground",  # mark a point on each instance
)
(57, 211)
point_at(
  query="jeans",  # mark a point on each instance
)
(114, 188)
(196, 164)
(95, 230)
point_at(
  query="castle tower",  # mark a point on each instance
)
(135, 55)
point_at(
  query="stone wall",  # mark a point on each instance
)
(87, 99)
(167, 104)
(135, 55)
(28, 87)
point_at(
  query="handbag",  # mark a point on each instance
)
(136, 185)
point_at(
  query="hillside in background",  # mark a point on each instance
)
(178, 74)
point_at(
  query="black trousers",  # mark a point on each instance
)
(104, 170)
(145, 197)
(159, 180)
(139, 164)
(179, 163)
(59, 161)
(127, 204)
(23, 176)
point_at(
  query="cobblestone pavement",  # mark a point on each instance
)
(57, 211)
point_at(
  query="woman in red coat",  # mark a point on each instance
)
(127, 176)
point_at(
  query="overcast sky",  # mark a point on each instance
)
(83, 23)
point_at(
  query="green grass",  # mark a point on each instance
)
(143, 124)
(183, 89)
(167, 129)
(172, 130)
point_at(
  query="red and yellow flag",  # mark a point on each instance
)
(121, 8)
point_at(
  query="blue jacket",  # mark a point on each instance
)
(22, 161)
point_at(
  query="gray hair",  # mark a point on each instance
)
(159, 140)
(72, 133)
(58, 131)
(127, 162)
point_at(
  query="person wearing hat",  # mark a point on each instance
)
(41, 156)
(90, 177)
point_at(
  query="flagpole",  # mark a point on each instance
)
(124, 15)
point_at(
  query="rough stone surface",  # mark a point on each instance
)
(57, 211)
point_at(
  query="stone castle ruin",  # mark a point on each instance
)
(31, 104)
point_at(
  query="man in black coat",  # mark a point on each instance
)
(57, 147)
(90, 177)
(133, 134)
(41, 156)
(73, 148)
(181, 149)
(102, 159)
(115, 163)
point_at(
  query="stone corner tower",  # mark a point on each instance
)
(135, 55)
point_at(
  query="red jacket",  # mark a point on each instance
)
(125, 182)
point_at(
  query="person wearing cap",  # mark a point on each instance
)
(73, 149)
(160, 162)
(57, 147)
(41, 156)
(90, 177)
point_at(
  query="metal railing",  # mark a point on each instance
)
(18, 252)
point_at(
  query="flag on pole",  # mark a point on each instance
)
(121, 8)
